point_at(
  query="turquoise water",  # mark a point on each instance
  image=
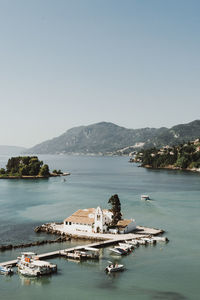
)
(164, 271)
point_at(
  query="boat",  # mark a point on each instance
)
(114, 267)
(160, 239)
(119, 250)
(6, 270)
(29, 271)
(142, 242)
(149, 240)
(126, 246)
(132, 242)
(82, 253)
(30, 265)
(145, 197)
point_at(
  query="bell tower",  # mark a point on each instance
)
(98, 220)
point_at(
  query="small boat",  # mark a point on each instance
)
(6, 270)
(149, 240)
(160, 239)
(114, 267)
(133, 242)
(119, 250)
(145, 197)
(126, 246)
(142, 242)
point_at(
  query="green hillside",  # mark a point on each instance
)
(108, 138)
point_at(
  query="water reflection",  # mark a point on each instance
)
(27, 281)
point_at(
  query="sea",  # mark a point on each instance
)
(165, 271)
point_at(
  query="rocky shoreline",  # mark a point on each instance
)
(49, 229)
(61, 239)
(171, 167)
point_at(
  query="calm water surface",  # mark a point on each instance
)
(165, 271)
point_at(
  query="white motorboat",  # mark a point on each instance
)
(126, 246)
(30, 265)
(149, 240)
(29, 271)
(114, 267)
(133, 242)
(160, 239)
(119, 250)
(141, 242)
(6, 270)
(145, 197)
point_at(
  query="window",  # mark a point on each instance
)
(98, 217)
(70, 223)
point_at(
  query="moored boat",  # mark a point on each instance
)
(30, 265)
(133, 242)
(141, 242)
(119, 250)
(149, 240)
(126, 246)
(6, 270)
(160, 239)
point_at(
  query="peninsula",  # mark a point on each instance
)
(185, 156)
(27, 167)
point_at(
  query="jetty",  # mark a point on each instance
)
(67, 253)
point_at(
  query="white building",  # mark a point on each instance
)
(96, 220)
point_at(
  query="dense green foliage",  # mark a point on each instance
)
(25, 166)
(44, 171)
(115, 209)
(59, 172)
(184, 156)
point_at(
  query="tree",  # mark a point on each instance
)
(59, 172)
(2, 171)
(115, 209)
(44, 171)
(34, 165)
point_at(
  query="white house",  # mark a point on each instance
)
(96, 220)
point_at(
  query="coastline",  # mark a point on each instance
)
(171, 167)
(35, 177)
(58, 228)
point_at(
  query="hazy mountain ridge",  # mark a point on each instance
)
(104, 138)
(11, 150)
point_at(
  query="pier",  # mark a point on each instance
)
(59, 253)
(97, 245)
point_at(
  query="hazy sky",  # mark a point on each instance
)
(69, 63)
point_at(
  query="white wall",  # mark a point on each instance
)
(79, 227)
(131, 226)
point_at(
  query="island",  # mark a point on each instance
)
(28, 167)
(184, 156)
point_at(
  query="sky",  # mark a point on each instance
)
(70, 63)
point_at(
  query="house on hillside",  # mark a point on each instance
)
(97, 220)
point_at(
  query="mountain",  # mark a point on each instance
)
(104, 138)
(11, 150)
